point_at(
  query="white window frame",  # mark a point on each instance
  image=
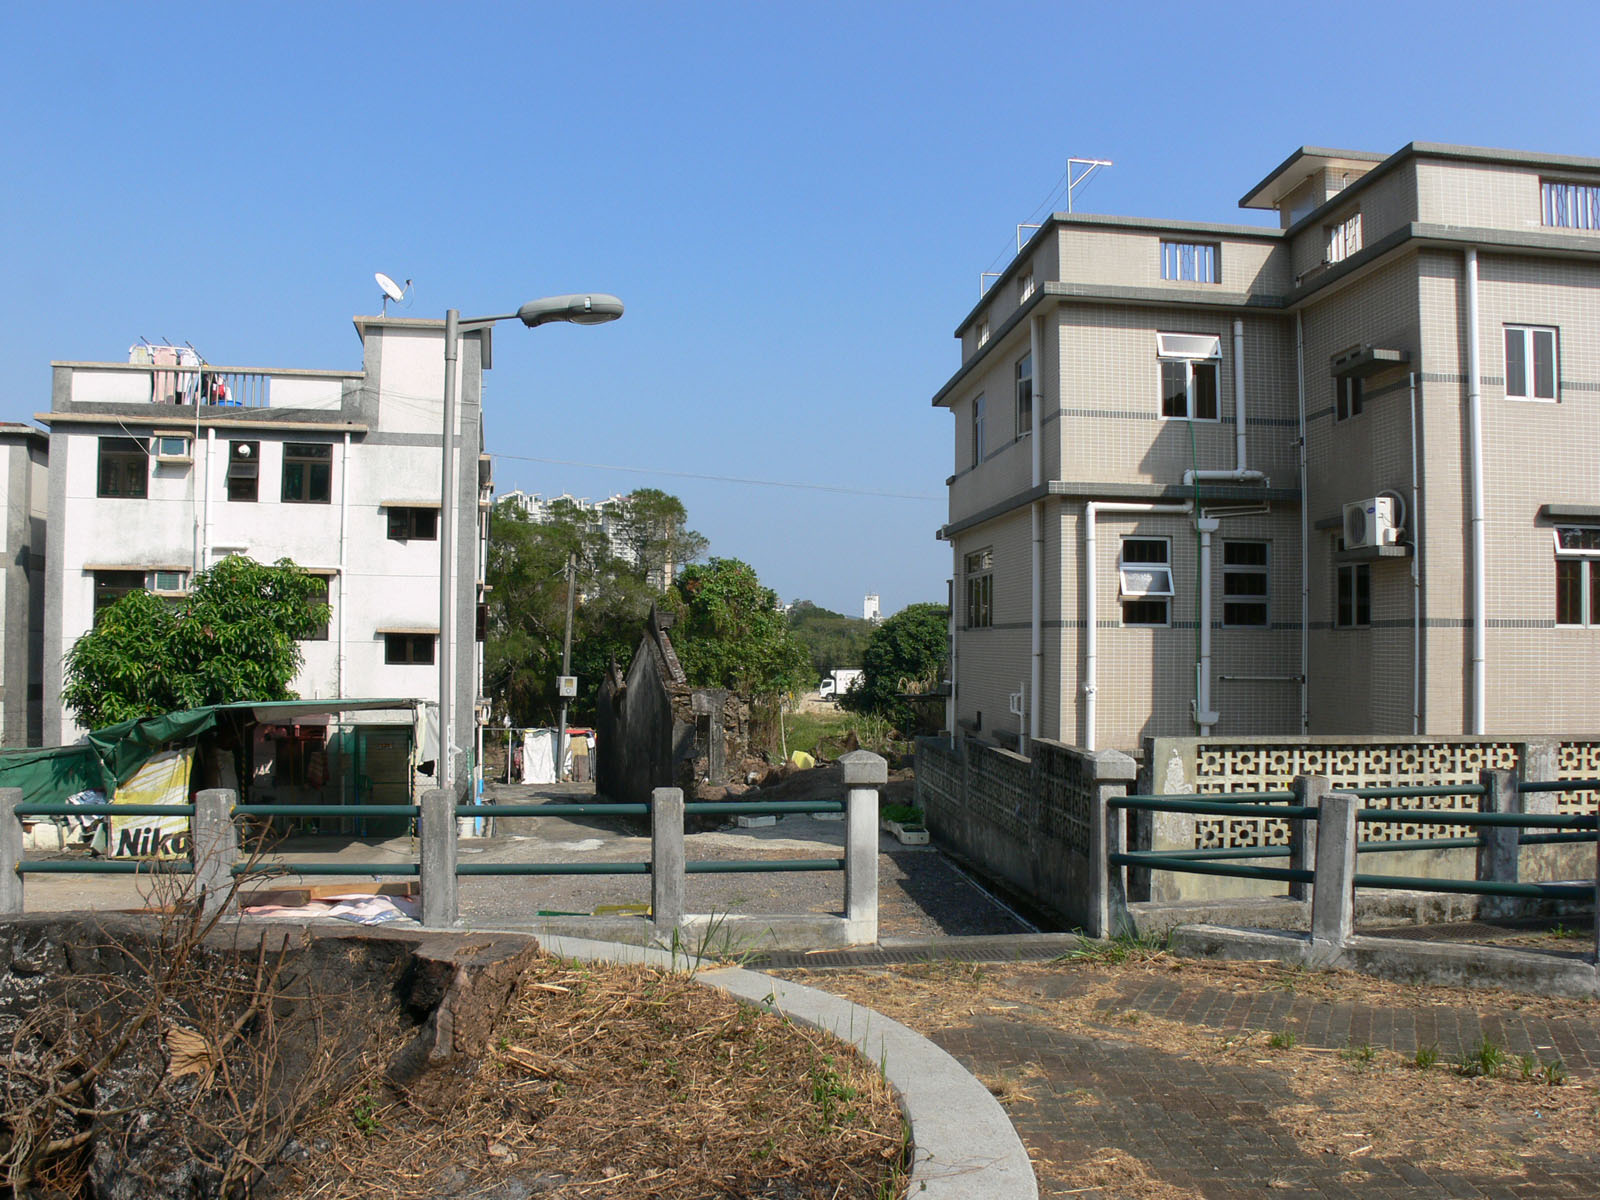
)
(978, 573)
(1025, 288)
(983, 332)
(1344, 238)
(167, 583)
(979, 412)
(1024, 395)
(1133, 586)
(1588, 559)
(173, 448)
(1569, 205)
(1190, 262)
(1263, 570)
(1189, 349)
(1529, 337)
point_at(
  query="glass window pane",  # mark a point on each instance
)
(1205, 391)
(1569, 591)
(1244, 554)
(1174, 388)
(1516, 363)
(1363, 595)
(1544, 364)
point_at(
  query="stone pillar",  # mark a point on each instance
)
(1308, 793)
(1108, 904)
(666, 860)
(10, 852)
(214, 849)
(1333, 893)
(864, 772)
(439, 906)
(1497, 856)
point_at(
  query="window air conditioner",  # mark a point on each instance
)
(1370, 523)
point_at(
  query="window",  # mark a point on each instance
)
(1353, 595)
(1189, 262)
(1144, 581)
(983, 332)
(1344, 238)
(1349, 391)
(980, 588)
(1530, 363)
(1570, 205)
(111, 586)
(408, 523)
(403, 648)
(977, 430)
(1190, 364)
(1244, 584)
(320, 634)
(1025, 288)
(307, 472)
(244, 470)
(124, 468)
(1025, 395)
(172, 449)
(1578, 575)
(172, 583)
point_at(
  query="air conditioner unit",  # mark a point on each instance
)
(1370, 523)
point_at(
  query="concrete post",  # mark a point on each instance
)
(666, 860)
(864, 772)
(1497, 856)
(1333, 894)
(215, 848)
(1108, 902)
(439, 906)
(1308, 793)
(10, 852)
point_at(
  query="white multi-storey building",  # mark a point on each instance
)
(157, 472)
(23, 470)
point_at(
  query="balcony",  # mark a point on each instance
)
(203, 385)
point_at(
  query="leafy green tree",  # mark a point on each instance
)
(652, 527)
(905, 654)
(832, 639)
(731, 633)
(235, 636)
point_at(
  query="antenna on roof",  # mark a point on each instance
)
(391, 290)
(1086, 167)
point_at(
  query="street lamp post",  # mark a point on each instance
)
(583, 309)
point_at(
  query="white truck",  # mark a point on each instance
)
(838, 681)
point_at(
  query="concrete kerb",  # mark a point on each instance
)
(965, 1147)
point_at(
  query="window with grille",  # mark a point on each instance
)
(1244, 584)
(1344, 238)
(1570, 205)
(1190, 262)
(1144, 581)
(124, 468)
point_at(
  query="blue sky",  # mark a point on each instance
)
(794, 201)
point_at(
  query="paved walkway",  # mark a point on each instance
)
(1203, 1110)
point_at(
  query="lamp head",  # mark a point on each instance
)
(593, 308)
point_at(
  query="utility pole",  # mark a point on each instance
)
(566, 665)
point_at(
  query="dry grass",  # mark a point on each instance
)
(1353, 1104)
(627, 1082)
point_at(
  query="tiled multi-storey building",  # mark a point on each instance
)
(1341, 476)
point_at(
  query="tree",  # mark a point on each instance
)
(730, 632)
(832, 639)
(235, 636)
(905, 654)
(651, 527)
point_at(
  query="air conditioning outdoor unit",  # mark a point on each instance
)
(1370, 523)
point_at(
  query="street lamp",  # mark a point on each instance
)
(594, 308)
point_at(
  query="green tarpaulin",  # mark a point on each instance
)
(110, 756)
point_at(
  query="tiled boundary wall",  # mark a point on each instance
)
(1188, 766)
(1036, 824)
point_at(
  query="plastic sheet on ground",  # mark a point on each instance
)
(362, 909)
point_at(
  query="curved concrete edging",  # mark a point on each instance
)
(964, 1146)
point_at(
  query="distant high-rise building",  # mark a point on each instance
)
(869, 608)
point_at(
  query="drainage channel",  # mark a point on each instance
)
(986, 948)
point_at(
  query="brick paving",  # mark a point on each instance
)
(1200, 1126)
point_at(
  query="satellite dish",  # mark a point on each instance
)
(391, 289)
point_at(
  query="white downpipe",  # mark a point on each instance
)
(205, 506)
(1091, 608)
(1204, 717)
(1475, 484)
(344, 578)
(1240, 472)
(1305, 530)
(950, 705)
(1036, 520)
(1416, 571)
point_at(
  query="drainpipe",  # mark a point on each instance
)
(1305, 529)
(1475, 484)
(205, 507)
(1240, 472)
(1416, 572)
(344, 578)
(950, 705)
(1036, 518)
(1203, 715)
(1091, 633)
